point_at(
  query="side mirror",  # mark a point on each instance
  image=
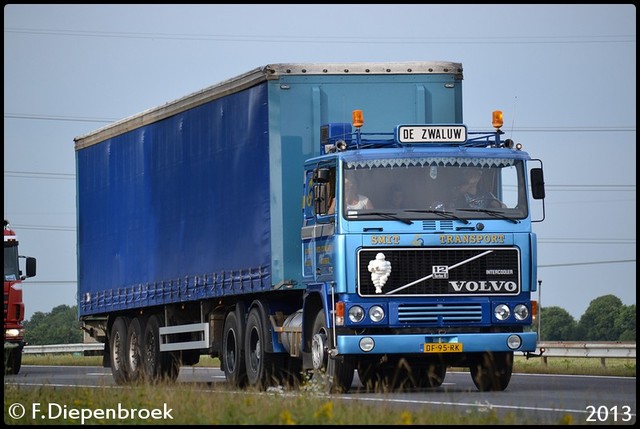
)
(31, 267)
(537, 184)
(321, 175)
(320, 200)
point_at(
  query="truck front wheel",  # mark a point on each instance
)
(12, 360)
(492, 371)
(333, 375)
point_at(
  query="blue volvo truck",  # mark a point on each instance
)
(307, 222)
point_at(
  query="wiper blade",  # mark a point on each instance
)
(382, 214)
(493, 213)
(445, 214)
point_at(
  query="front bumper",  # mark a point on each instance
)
(416, 343)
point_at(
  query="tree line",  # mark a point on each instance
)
(606, 319)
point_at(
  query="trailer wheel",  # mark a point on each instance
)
(135, 335)
(492, 371)
(333, 375)
(260, 364)
(232, 360)
(118, 350)
(157, 366)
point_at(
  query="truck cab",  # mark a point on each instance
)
(438, 266)
(16, 269)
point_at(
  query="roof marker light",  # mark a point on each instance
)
(357, 118)
(497, 119)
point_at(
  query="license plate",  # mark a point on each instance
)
(442, 348)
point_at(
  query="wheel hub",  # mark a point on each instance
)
(319, 351)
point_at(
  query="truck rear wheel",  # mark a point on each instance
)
(118, 350)
(232, 360)
(259, 363)
(333, 375)
(492, 371)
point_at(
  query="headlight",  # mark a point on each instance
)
(356, 314)
(12, 333)
(502, 312)
(514, 342)
(521, 312)
(376, 313)
(366, 344)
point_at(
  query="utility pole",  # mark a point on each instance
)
(539, 309)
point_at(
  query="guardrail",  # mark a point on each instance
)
(601, 350)
(86, 348)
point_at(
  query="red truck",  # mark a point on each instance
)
(13, 305)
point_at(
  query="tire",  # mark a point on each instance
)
(190, 357)
(232, 359)
(332, 375)
(260, 365)
(135, 334)
(157, 366)
(118, 350)
(290, 372)
(492, 371)
(431, 376)
(12, 360)
(371, 375)
(16, 361)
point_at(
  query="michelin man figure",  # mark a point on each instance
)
(380, 270)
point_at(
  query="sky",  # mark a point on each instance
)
(563, 75)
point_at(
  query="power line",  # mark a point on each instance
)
(38, 175)
(57, 118)
(265, 38)
(590, 188)
(613, 128)
(599, 241)
(539, 266)
(43, 227)
(586, 263)
(31, 282)
(586, 241)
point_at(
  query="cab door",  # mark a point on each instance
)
(318, 227)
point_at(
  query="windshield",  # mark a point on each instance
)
(435, 188)
(11, 267)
